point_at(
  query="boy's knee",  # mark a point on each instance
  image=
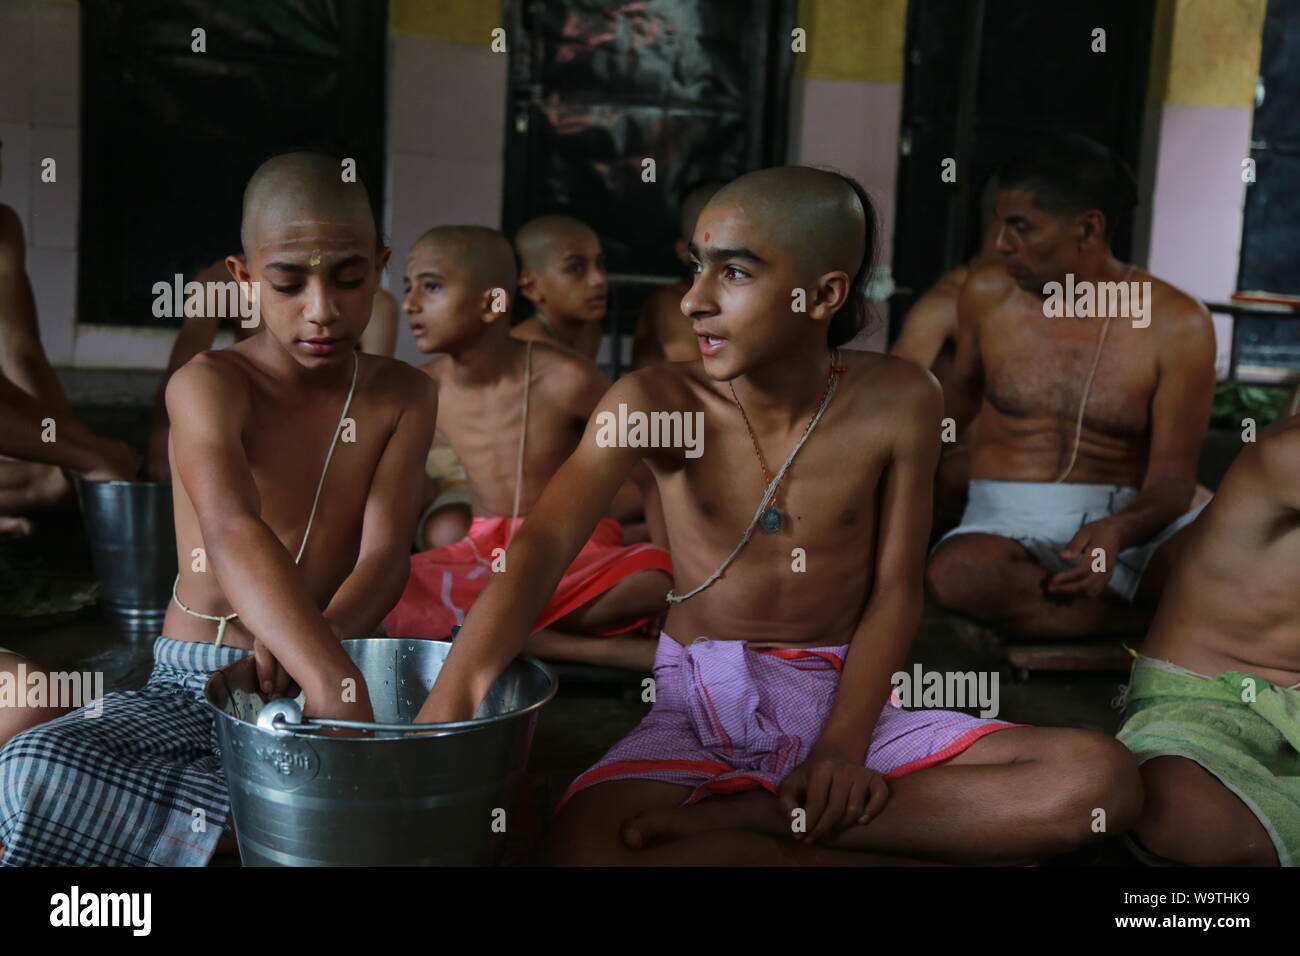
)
(1099, 788)
(952, 577)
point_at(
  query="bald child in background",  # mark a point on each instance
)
(513, 412)
(563, 275)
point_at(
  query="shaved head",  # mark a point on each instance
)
(302, 189)
(822, 218)
(693, 201)
(537, 237)
(813, 213)
(484, 253)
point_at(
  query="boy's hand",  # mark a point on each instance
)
(272, 679)
(834, 792)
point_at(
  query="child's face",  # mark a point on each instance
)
(441, 301)
(573, 283)
(740, 300)
(317, 282)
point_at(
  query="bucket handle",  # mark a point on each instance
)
(284, 716)
(310, 725)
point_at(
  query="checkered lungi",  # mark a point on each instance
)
(122, 788)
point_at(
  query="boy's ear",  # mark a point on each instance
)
(381, 259)
(829, 293)
(528, 286)
(238, 268)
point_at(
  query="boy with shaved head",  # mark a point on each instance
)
(513, 411)
(297, 463)
(563, 275)
(798, 541)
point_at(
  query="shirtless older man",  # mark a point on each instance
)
(1090, 425)
(1214, 703)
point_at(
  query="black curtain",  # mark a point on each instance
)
(170, 135)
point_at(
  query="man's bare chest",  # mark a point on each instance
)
(1037, 373)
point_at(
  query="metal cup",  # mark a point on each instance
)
(132, 539)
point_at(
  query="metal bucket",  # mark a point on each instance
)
(438, 799)
(132, 539)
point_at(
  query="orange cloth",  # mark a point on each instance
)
(445, 582)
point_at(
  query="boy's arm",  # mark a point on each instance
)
(500, 621)
(256, 573)
(197, 334)
(392, 506)
(23, 430)
(880, 643)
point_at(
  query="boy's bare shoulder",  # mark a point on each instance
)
(215, 380)
(664, 386)
(883, 383)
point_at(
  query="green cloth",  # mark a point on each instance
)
(1251, 745)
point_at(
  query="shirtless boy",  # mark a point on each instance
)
(786, 700)
(1090, 425)
(1214, 703)
(513, 412)
(199, 332)
(663, 333)
(563, 276)
(298, 464)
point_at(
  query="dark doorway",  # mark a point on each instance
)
(170, 135)
(699, 86)
(981, 79)
(1270, 242)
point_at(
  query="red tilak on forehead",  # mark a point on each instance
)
(706, 237)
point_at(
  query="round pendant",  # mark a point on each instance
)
(772, 520)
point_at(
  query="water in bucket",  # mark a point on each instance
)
(301, 799)
(133, 549)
